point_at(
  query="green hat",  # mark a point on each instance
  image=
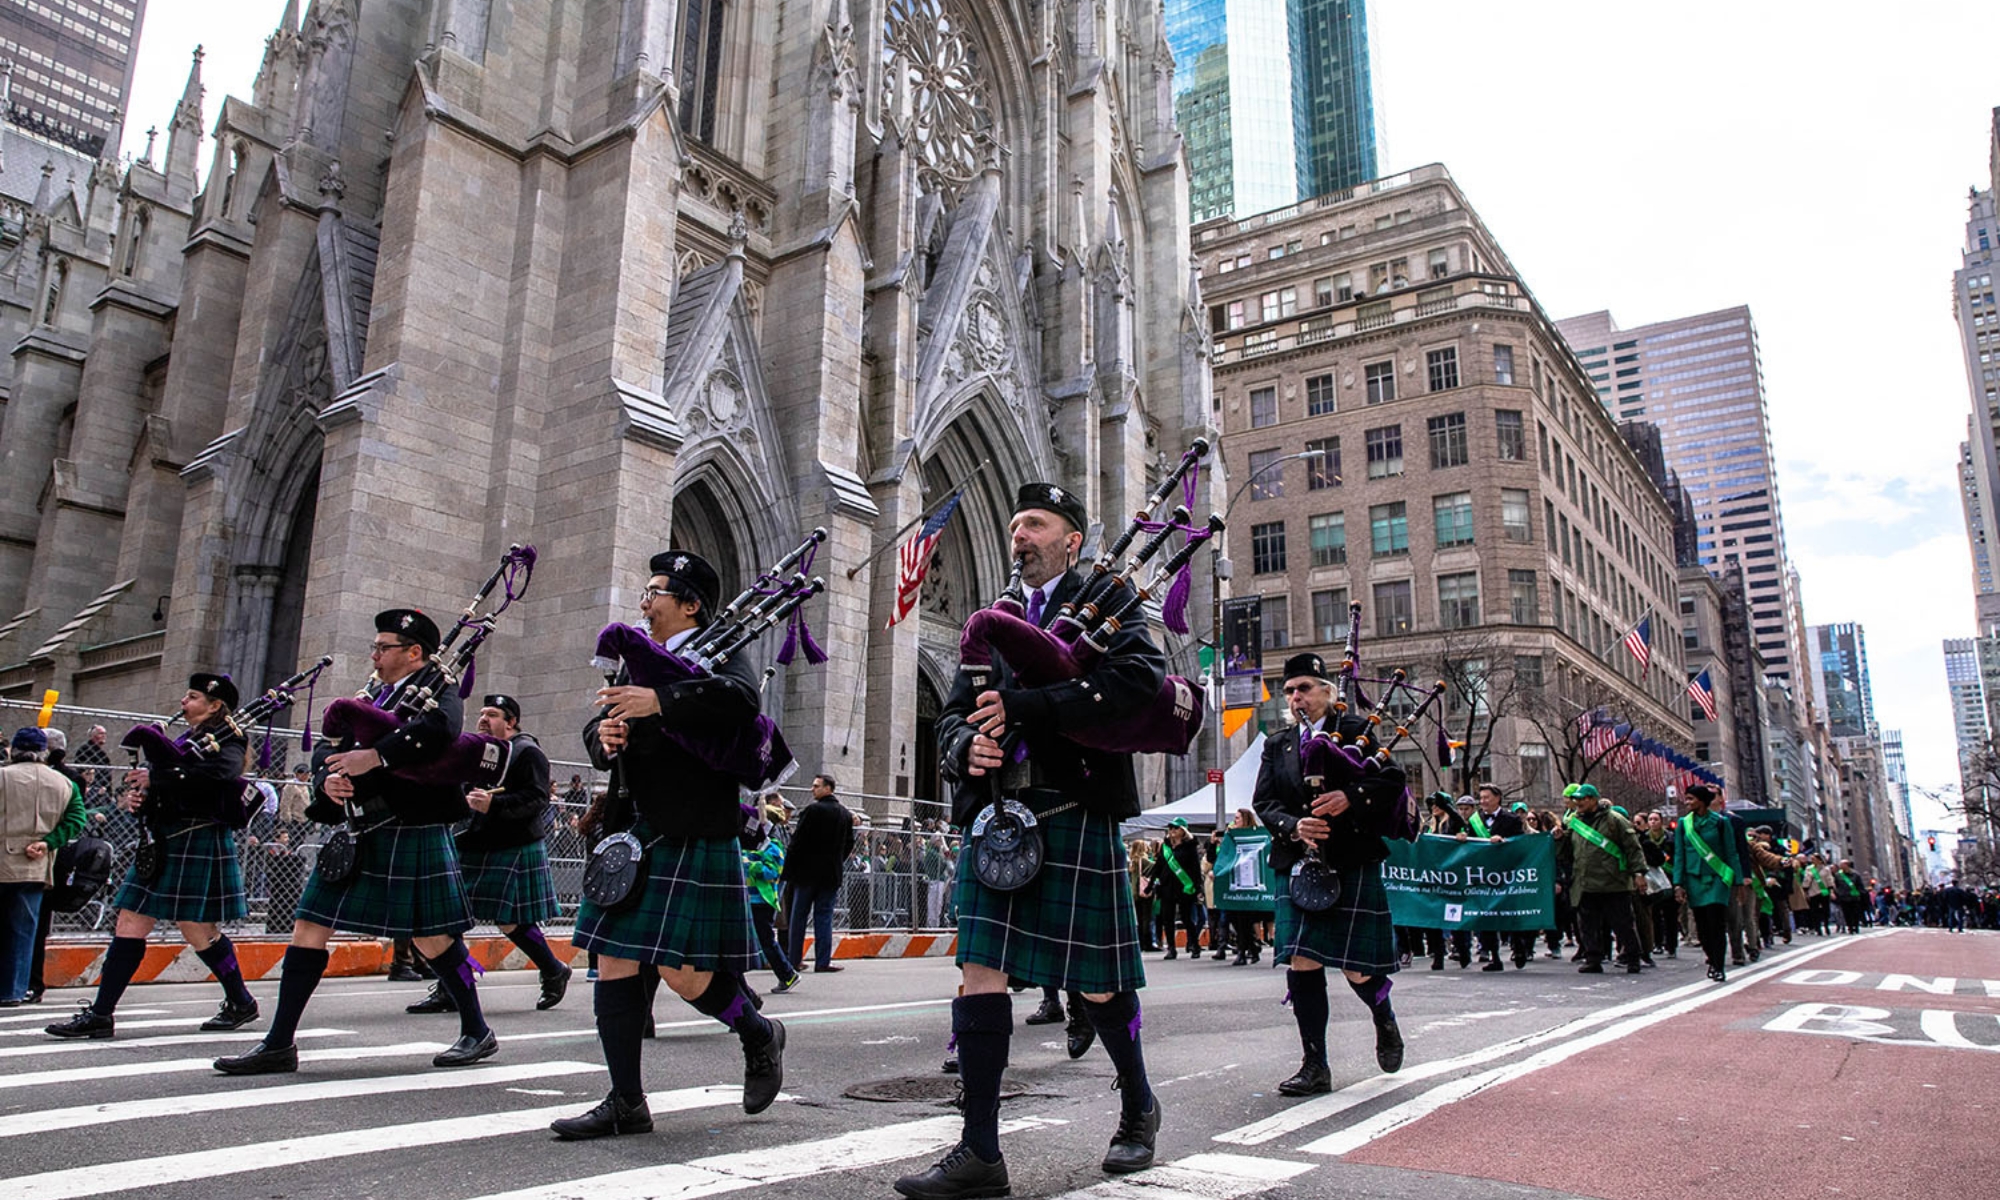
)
(1585, 789)
(1620, 810)
(1518, 807)
(1570, 791)
(1178, 823)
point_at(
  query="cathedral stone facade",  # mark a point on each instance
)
(597, 277)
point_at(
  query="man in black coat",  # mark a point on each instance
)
(1494, 823)
(821, 842)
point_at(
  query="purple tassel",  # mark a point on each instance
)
(791, 645)
(814, 654)
(1443, 748)
(264, 752)
(465, 684)
(306, 726)
(1174, 610)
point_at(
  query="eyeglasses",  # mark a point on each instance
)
(1289, 689)
(654, 593)
(375, 648)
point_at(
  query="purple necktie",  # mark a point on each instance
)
(1035, 608)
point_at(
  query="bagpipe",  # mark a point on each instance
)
(1349, 752)
(1076, 640)
(356, 723)
(754, 753)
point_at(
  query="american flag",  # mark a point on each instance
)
(913, 558)
(1640, 643)
(1703, 694)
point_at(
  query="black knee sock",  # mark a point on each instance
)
(529, 938)
(726, 1001)
(121, 962)
(1310, 1009)
(983, 1025)
(1117, 1024)
(621, 1022)
(1374, 992)
(220, 958)
(303, 969)
(456, 973)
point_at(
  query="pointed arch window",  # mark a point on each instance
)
(698, 65)
(237, 154)
(135, 240)
(52, 307)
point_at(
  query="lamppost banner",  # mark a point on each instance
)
(1243, 878)
(1243, 649)
(1439, 882)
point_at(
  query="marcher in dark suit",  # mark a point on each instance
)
(1177, 885)
(1496, 825)
(814, 864)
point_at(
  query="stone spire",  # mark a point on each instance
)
(46, 190)
(184, 134)
(278, 75)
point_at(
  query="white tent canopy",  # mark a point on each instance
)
(1199, 806)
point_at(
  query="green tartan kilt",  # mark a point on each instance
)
(406, 883)
(1356, 934)
(202, 881)
(692, 910)
(1072, 927)
(510, 886)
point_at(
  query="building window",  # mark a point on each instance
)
(700, 73)
(1267, 548)
(1385, 451)
(1543, 431)
(1523, 598)
(1514, 515)
(1452, 519)
(1389, 529)
(1528, 671)
(1267, 477)
(1392, 608)
(1277, 613)
(1236, 316)
(1503, 365)
(1329, 539)
(1458, 600)
(1537, 786)
(1381, 379)
(1323, 472)
(1319, 396)
(1443, 365)
(1510, 434)
(1448, 447)
(1323, 291)
(1263, 407)
(1440, 264)
(1330, 615)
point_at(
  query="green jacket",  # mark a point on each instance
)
(1591, 869)
(761, 868)
(1691, 870)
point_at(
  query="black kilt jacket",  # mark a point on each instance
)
(677, 794)
(516, 815)
(1125, 681)
(1281, 800)
(422, 739)
(200, 787)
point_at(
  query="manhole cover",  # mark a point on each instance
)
(918, 1089)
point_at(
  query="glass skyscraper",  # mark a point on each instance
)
(1273, 98)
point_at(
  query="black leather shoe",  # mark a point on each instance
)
(1590, 968)
(1242, 958)
(230, 1016)
(1313, 1078)
(1171, 956)
(1633, 968)
(1050, 1013)
(554, 988)
(403, 974)
(261, 1060)
(1495, 965)
(87, 1023)
(436, 1002)
(1082, 1035)
(609, 1119)
(828, 969)
(1388, 1046)
(1520, 964)
(34, 996)
(1437, 964)
(1132, 1146)
(468, 1050)
(764, 1071)
(959, 1175)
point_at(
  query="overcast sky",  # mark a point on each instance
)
(1659, 160)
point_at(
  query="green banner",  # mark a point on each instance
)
(1439, 882)
(1243, 878)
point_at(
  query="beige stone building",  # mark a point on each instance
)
(1469, 490)
(599, 277)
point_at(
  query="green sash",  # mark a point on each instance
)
(1584, 831)
(1180, 872)
(1763, 897)
(1819, 881)
(1707, 855)
(1478, 824)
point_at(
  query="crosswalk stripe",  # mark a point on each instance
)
(80, 1115)
(51, 1015)
(156, 1023)
(104, 1178)
(179, 1039)
(774, 1164)
(712, 1024)
(1197, 1177)
(174, 1066)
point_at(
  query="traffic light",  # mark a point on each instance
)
(1932, 839)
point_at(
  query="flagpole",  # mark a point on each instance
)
(896, 538)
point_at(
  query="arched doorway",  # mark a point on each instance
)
(288, 605)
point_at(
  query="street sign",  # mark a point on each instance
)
(1214, 776)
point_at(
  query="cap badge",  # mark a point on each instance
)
(680, 562)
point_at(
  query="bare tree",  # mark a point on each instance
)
(1482, 689)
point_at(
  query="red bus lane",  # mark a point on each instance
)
(1870, 1070)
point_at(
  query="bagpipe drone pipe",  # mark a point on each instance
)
(752, 753)
(1110, 598)
(356, 723)
(1350, 748)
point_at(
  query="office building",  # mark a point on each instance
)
(72, 68)
(1978, 317)
(1334, 94)
(1840, 685)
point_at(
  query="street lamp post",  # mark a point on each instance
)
(1219, 570)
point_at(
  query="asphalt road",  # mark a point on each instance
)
(367, 1116)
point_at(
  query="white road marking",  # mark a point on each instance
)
(155, 1023)
(774, 1164)
(1197, 1177)
(26, 1123)
(1417, 1107)
(719, 1028)
(103, 1178)
(51, 1014)
(174, 1066)
(222, 1040)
